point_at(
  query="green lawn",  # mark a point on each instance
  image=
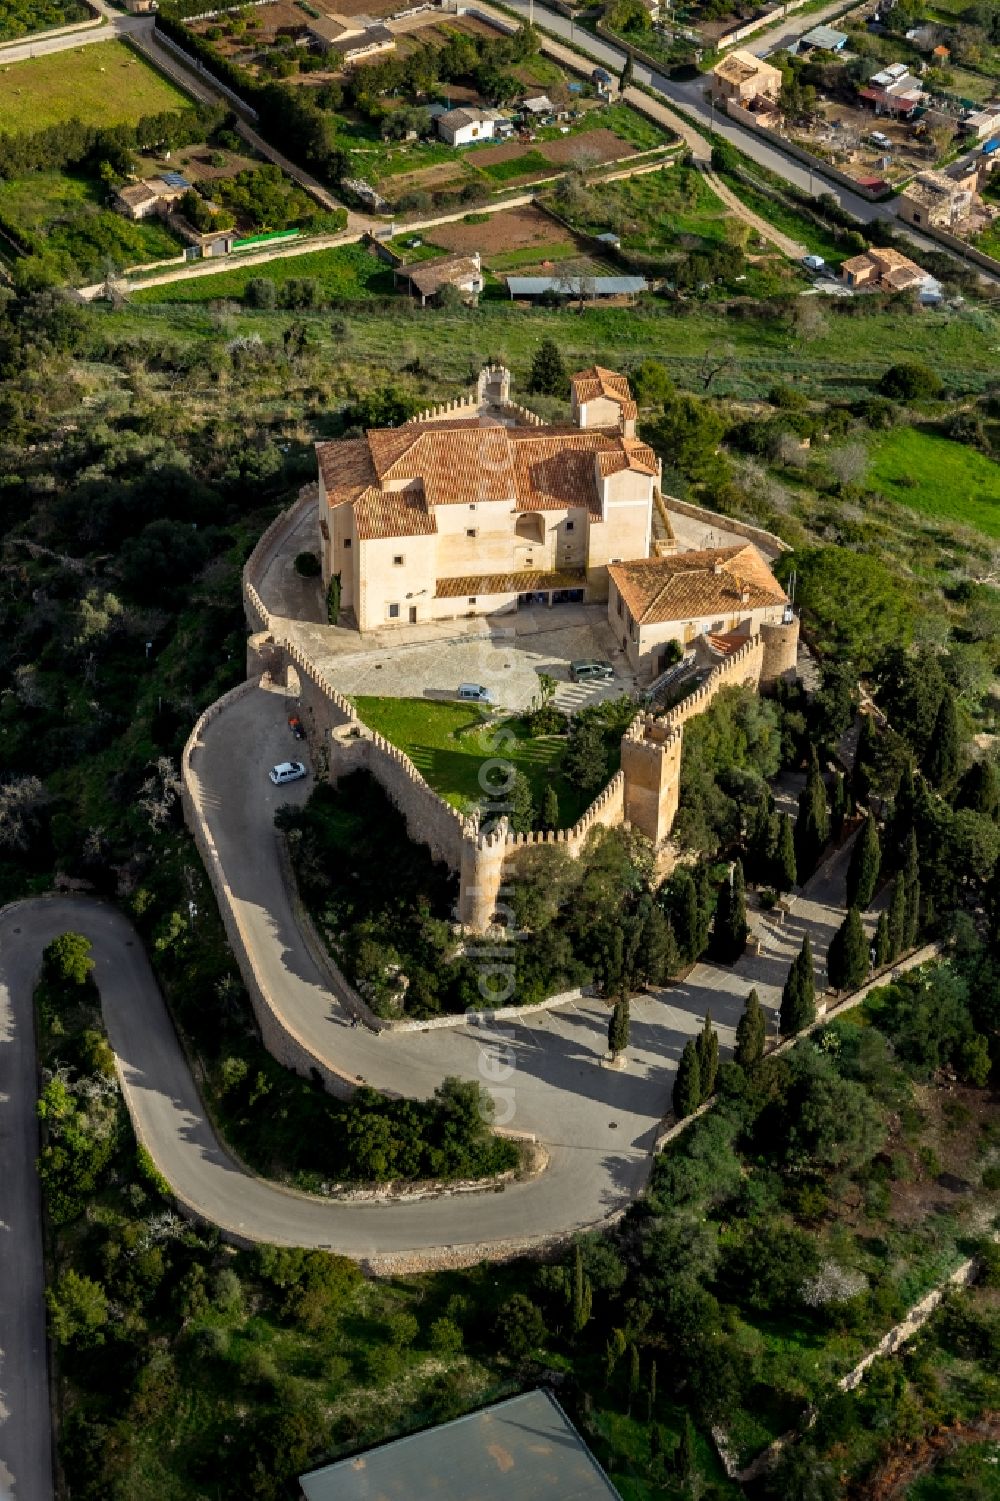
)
(940, 478)
(345, 272)
(103, 84)
(443, 743)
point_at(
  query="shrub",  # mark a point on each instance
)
(307, 565)
(910, 381)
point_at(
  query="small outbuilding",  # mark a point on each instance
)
(585, 287)
(825, 39)
(427, 279)
(464, 126)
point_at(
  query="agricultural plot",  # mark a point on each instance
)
(517, 237)
(106, 84)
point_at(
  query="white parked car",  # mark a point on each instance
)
(287, 771)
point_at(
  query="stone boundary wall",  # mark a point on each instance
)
(767, 541)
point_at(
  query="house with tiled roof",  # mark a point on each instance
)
(714, 599)
(478, 508)
(884, 268)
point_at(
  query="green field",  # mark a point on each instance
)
(940, 478)
(346, 272)
(443, 743)
(103, 84)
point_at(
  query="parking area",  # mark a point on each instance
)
(507, 654)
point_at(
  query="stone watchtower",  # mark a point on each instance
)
(651, 763)
(781, 650)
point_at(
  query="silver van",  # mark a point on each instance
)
(474, 693)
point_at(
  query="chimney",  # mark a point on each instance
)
(717, 567)
(744, 596)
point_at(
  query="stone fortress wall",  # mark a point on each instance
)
(644, 793)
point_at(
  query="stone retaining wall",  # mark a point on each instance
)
(769, 544)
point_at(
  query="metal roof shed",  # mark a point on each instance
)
(577, 286)
(525, 1447)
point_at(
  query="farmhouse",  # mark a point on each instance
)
(477, 510)
(934, 199)
(350, 36)
(743, 77)
(428, 278)
(154, 195)
(460, 127)
(885, 269)
(714, 599)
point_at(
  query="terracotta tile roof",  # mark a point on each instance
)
(596, 381)
(383, 514)
(346, 467)
(475, 584)
(462, 462)
(628, 454)
(689, 585)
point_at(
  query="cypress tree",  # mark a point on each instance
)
(687, 1083)
(785, 867)
(897, 918)
(613, 1352)
(657, 956)
(751, 1033)
(979, 789)
(901, 818)
(708, 1057)
(628, 70)
(634, 1375)
(838, 802)
(583, 1296)
(847, 960)
(687, 920)
(862, 873)
(762, 838)
(550, 808)
(548, 373)
(882, 951)
(812, 827)
(703, 888)
(911, 885)
(685, 1455)
(731, 916)
(864, 756)
(992, 903)
(941, 760)
(798, 998)
(618, 1026)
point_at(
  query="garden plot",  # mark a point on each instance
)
(525, 230)
(591, 148)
